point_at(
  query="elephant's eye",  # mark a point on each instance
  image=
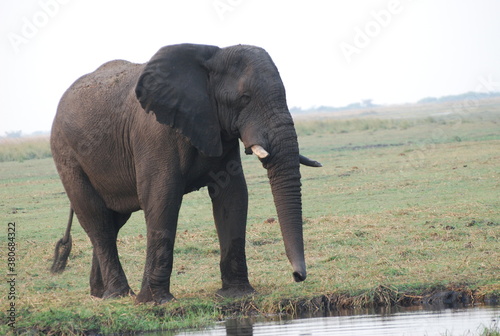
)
(244, 100)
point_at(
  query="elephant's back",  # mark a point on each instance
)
(98, 108)
(106, 91)
(111, 77)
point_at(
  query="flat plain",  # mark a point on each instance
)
(406, 204)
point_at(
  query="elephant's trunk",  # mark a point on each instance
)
(284, 176)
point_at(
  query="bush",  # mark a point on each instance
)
(21, 149)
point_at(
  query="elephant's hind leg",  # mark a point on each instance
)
(96, 280)
(107, 278)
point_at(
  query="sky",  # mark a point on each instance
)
(328, 52)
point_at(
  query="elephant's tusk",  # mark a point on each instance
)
(259, 151)
(308, 162)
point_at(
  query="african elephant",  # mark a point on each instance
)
(139, 136)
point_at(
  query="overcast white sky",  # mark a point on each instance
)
(328, 52)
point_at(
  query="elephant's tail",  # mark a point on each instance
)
(63, 248)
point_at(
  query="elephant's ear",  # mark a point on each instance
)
(173, 85)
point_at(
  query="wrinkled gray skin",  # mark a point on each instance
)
(140, 136)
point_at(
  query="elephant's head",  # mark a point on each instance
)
(235, 92)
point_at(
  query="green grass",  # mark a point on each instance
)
(398, 210)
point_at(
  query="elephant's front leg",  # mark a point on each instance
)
(230, 207)
(161, 221)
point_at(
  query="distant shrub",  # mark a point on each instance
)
(21, 149)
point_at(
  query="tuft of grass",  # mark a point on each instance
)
(492, 330)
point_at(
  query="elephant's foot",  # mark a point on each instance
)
(99, 292)
(111, 293)
(158, 298)
(236, 291)
(117, 293)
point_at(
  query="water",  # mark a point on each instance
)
(409, 321)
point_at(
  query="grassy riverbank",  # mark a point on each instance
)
(401, 209)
